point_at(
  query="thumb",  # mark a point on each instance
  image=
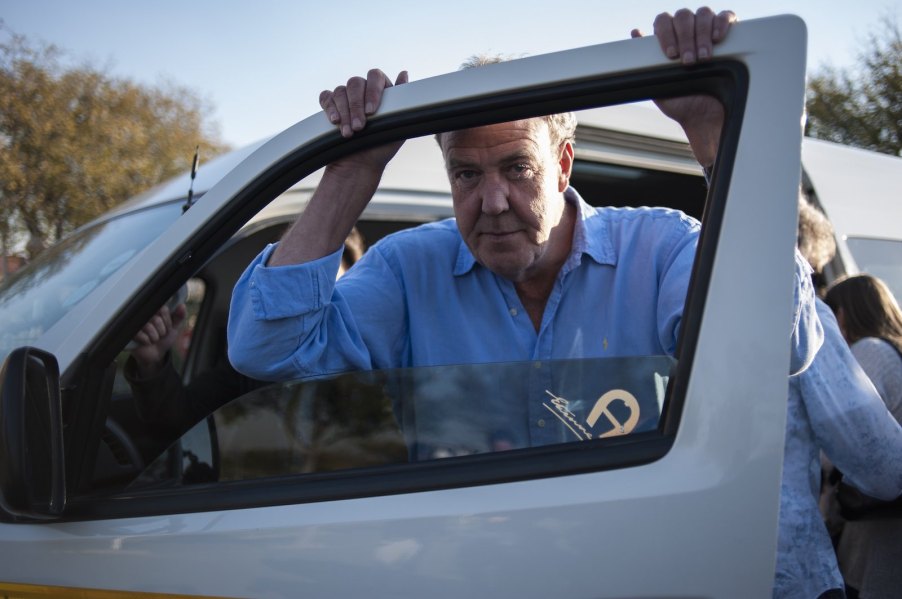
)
(635, 33)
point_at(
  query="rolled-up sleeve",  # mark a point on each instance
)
(285, 323)
(850, 421)
(278, 292)
(807, 334)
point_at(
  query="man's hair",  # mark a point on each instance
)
(815, 236)
(561, 127)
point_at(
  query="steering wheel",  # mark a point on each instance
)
(126, 456)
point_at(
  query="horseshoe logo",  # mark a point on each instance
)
(602, 405)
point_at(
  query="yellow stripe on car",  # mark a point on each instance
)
(42, 591)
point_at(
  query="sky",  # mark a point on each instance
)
(262, 64)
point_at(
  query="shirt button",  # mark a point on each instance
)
(513, 311)
(541, 423)
(537, 364)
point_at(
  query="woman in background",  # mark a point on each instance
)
(871, 322)
(870, 546)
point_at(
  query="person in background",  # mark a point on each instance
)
(160, 396)
(871, 323)
(870, 545)
(832, 408)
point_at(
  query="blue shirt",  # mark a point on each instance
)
(419, 298)
(832, 407)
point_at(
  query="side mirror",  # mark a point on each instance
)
(32, 472)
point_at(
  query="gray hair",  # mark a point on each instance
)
(815, 236)
(561, 127)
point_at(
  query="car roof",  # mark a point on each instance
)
(417, 167)
(859, 190)
(856, 188)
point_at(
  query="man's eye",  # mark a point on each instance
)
(466, 175)
(520, 170)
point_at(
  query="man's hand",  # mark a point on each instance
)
(347, 184)
(156, 338)
(348, 106)
(690, 37)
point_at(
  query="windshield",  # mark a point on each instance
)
(881, 258)
(42, 293)
(376, 418)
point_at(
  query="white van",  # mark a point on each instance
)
(305, 488)
(861, 193)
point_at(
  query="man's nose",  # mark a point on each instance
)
(495, 194)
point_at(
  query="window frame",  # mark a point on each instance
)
(725, 79)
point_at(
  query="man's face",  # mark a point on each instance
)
(507, 183)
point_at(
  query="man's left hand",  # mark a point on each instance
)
(690, 37)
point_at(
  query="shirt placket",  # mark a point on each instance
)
(543, 425)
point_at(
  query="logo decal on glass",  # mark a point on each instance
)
(560, 407)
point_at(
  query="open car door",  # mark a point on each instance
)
(297, 490)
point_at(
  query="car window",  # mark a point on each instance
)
(374, 418)
(38, 296)
(881, 258)
(601, 388)
(134, 407)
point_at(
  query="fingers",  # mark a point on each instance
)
(348, 106)
(684, 30)
(704, 25)
(666, 35)
(690, 36)
(722, 23)
(157, 328)
(376, 81)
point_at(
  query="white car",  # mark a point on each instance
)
(305, 488)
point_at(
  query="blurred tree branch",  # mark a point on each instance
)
(864, 108)
(76, 141)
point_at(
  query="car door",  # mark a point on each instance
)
(685, 508)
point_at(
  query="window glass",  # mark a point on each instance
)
(42, 293)
(139, 401)
(372, 418)
(881, 258)
(591, 365)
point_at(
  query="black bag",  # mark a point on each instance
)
(855, 505)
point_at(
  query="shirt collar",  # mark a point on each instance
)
(597, 246)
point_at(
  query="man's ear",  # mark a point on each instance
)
(565, 161)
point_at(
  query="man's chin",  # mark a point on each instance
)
(514, 271)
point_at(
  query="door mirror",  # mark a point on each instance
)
(32, 473)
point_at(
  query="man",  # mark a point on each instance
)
(833, 408)
(528, 272)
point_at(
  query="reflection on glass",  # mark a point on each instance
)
(38, 296)
(372, 418)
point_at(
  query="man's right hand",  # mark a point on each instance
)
(348, 184)
(348, 106)
(156, 338)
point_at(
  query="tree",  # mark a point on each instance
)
(863, 109)
(75, 141)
